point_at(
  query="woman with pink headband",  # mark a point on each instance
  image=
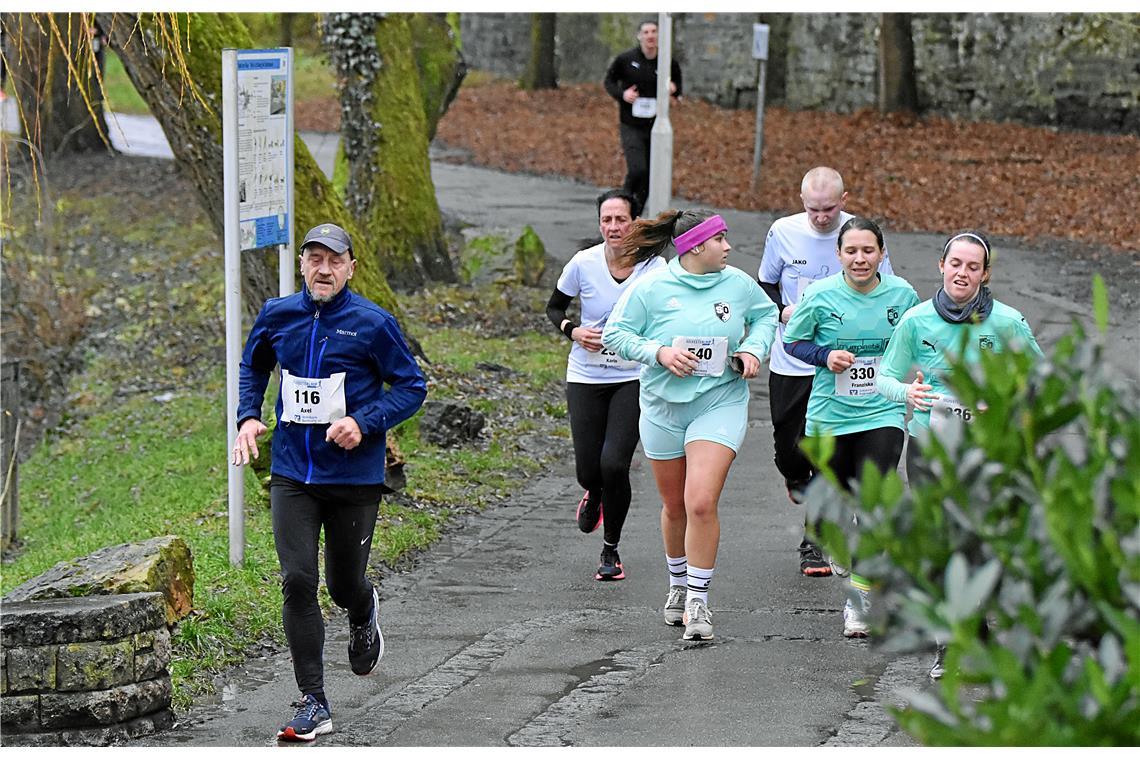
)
(701, 328)
(962, 314)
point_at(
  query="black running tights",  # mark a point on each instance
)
(883, 446)
(603, 423)
(348, 514)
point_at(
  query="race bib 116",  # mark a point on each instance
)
(312, 400)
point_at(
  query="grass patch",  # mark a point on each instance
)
(119, 91)
(129, 468)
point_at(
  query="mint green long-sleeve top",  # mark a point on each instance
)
(672, 303)
(834, 315)
(926, 340)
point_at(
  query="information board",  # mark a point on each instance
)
(265, 126)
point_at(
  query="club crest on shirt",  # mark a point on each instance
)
(893, 315)
(722, 311)
(986, 342)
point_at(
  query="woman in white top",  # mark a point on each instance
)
(601, 387)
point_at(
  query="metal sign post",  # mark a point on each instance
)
(233, 297)
(760, 53)
(257, 159)
(661, 138)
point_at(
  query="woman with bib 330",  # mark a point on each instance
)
(701, 328)
(601, 387)
(842, 326)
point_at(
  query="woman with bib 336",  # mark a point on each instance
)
(842, 326)
(962, 316)
(701, 328)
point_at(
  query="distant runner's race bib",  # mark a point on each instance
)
(610, 360)
(645, 108)
(947, 411)
(711, 353)
(312, 400)
(859, 378)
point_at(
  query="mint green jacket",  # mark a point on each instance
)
(672, 302)
(926, 340)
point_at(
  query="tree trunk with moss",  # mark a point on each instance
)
(541, 73)
(384, 133)
(439, 62)
(51, 61)
(174, 61)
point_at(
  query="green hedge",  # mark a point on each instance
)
(1020, 549)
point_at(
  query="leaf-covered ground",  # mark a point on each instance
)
(928, 174)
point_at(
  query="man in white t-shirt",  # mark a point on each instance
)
(798, 250)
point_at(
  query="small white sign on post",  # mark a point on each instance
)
(257, 161)
(760, 53)
(760, 41)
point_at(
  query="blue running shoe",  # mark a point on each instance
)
(366, 642)
(310, 721)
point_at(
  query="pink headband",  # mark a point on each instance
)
(706, 230)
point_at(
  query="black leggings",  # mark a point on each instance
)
(883, 446)
(788, 399)
(603, 423)
(635, 143)
(348, 514)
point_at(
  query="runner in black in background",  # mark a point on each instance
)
(631, 80)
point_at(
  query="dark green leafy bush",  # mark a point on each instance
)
(1021, 551)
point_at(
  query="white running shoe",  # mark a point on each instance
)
(855, 617)
(675, 605)
(698, 621)
(938, 669)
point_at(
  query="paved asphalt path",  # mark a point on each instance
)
(500, 636)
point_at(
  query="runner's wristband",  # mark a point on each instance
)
(568, 329)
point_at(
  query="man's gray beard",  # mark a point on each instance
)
(321, 299)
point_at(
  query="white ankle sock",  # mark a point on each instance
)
(678, 570)
(698, 581)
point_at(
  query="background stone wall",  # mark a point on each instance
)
(1043, 68)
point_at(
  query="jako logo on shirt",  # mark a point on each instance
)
(345, 332)
(800, 262)
(722, 311)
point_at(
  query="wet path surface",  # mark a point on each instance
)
(501, 637)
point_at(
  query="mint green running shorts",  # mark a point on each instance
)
(719, 415)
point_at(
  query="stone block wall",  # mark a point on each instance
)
(84, 671)
(1037, 68)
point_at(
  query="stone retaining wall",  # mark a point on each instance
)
(87, 671)
(1039, 68)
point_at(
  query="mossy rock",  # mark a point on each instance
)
(530, 257)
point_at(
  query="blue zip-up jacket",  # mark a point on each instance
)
(348, 334)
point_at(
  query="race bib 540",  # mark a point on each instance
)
(711, 353)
